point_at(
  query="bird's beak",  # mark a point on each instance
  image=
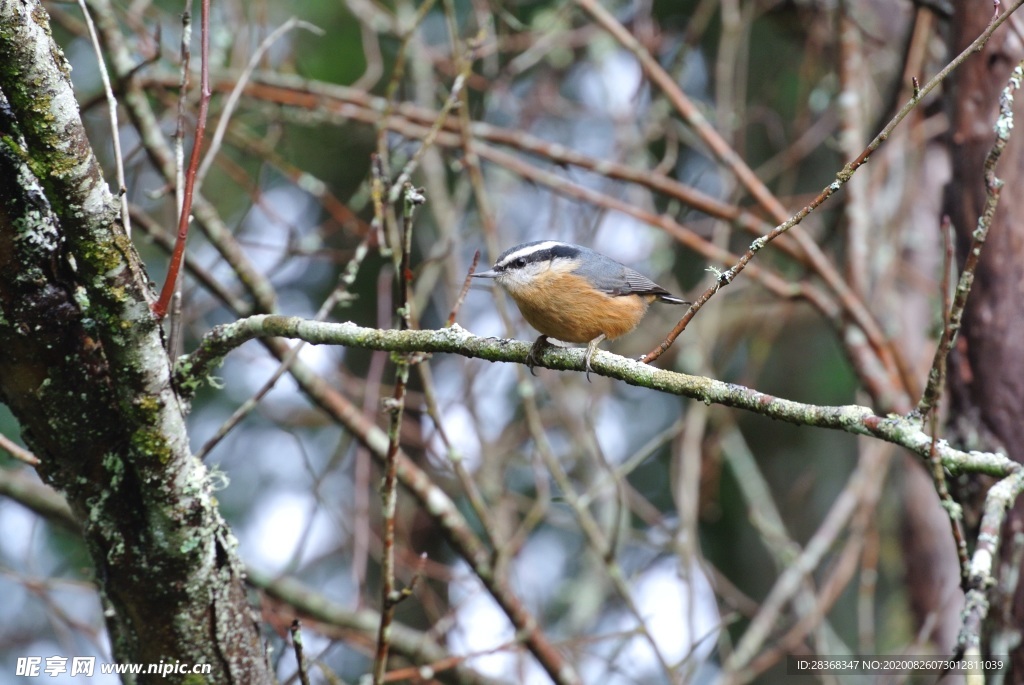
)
(486, 274)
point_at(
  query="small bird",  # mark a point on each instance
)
(573, 294)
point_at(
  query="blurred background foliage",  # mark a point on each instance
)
(684, 493)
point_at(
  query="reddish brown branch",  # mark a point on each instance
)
(174, 268)
(465, 289)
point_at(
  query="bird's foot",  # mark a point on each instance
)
(591, 348)
(533, 358)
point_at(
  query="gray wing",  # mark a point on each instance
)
(613, 278)
(638, 283)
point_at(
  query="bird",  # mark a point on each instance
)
(572, 293)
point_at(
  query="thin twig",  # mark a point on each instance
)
(115, 135)
(954, 312)
(339, 294)
(876, 462)
(384, 221)
(414, 122)
(598, 542)
(17, 451)
(152, 138)
(465, 289)
(686, 108)
(153, 230)
(389, 498)
(300, 659)
(953, 510)
(236, 92)
(993, 187)
(726, 277)
(861, 482)
(428, 141)
(390, 596)
(173, 269)
(999, 499)
(370, 407)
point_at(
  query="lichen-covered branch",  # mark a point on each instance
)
(906, 432)
(993, 187)
(982, 576)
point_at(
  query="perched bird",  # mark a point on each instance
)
(573, 294)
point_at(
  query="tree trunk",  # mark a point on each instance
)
(84, 369)
(986, 378)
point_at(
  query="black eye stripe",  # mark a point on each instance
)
(556, 251)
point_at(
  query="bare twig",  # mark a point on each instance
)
(599, 543)
(384, 221)
(160, 307)
(17, 451)
(236, 92)
(390, 596)
(339, 294)
(953, 313)
(297, 646)
(428, 140)
(993, 187)
(863, 481)
(115, 133)
(726, 277)
(156, 232)
(999, 499)
(875, 462)
(953, 510)
(465, 289)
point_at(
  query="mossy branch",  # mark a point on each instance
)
(907, 432)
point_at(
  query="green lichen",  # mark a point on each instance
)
(151, 444)
(190, 544)
(101, 256)
(115, 467)
(118, 293)
(150, 405)
(123, 243)
(14, 146)
(116, 552)
(188, 383)
(183, 374)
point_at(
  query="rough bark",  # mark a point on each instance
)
(84, 369)
(987, 370)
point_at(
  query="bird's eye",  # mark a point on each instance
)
(520, 263)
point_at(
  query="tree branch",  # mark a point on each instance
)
(907, 432)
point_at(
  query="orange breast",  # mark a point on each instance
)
(563, 306)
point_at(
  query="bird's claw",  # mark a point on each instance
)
(591, 348)
(532, 359)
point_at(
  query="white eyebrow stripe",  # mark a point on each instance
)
(545, 245)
